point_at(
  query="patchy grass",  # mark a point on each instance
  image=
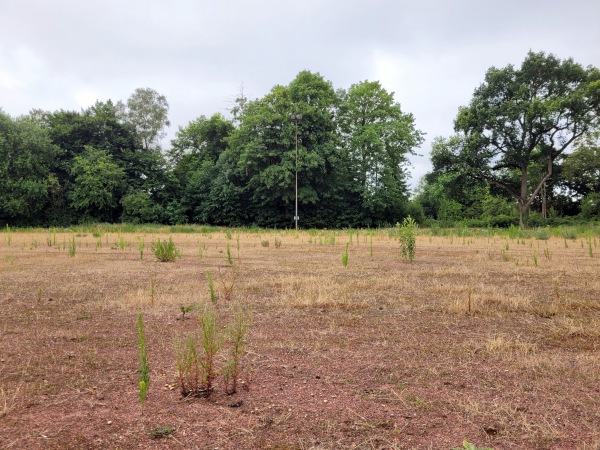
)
(462, 344)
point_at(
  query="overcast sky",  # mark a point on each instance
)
(432, 54)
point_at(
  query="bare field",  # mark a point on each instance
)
(488, 339)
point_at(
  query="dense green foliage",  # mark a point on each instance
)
(526, 149)
(513, 140)
(105, 164)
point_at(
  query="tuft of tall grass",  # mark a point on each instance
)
(72, 247)
(345, 256)
(197, 368)
(236, 331)
(406, 233)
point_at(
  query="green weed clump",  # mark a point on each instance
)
(568, 233)
(72, 247)
(237, 331)
(542, 234)
(141, 245)
(211, 343)
(196, 364)
(406, 234)
(197, 357)
(165, 251)
(211, 287)
(229, 258)
(345, 256)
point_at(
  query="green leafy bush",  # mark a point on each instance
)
(165, 251)
(406, 234)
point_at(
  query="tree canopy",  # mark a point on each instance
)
(528, 137)
(526, 117)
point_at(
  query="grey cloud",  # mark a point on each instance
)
(432, 53)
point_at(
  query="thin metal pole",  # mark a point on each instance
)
(296, 216)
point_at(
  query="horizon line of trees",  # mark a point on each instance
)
(528, 141)
(105, 164)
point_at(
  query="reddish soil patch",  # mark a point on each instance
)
(467, 342)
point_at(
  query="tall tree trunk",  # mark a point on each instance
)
(544, 211)
(523, 204)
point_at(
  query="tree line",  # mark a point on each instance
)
(105, 163)
(527, 141)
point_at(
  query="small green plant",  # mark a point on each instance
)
(237, 332)
(144, 368)
(211, 287)
(72, 247)
(229, 258)
(264, 243)
(535, 259)
(505, 256)
(196, 371)
(406, 234)
(121, 242)
(165, 251)
(185, 309)
(590, 250)
(141, 245)
(345, 256)
(468, 446)
(547, 254)
(188, 367)
(277, 242)
(371, 244)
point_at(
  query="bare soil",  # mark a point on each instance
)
(489, 340)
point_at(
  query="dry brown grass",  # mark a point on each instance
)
(462, 344)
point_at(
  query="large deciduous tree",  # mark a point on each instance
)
(263, 148)
(524, 117)
(97, 186)
(581, 169)
(27, 157)
(378, 137)
(147, 111)
(194, 153)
